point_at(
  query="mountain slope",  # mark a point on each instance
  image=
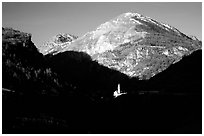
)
(135, 45)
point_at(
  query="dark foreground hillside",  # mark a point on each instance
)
(69, 93)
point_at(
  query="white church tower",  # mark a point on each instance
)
(118, 92)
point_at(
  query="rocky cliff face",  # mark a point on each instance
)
(133, 44)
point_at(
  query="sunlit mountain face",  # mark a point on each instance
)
(133, 44)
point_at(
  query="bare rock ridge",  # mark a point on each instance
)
(133, 44)
(57, 43)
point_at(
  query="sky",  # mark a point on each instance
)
(45, 20)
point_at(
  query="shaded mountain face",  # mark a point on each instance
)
(133, 44)
(25, 70)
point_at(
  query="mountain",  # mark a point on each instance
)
(133, 44)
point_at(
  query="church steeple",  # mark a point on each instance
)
(118, 88)
(118, 92)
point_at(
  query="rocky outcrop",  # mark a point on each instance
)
(58, 42)
(135, 45)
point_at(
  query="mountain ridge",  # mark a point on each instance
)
(129, 42)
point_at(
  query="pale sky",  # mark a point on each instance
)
(45, 20)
